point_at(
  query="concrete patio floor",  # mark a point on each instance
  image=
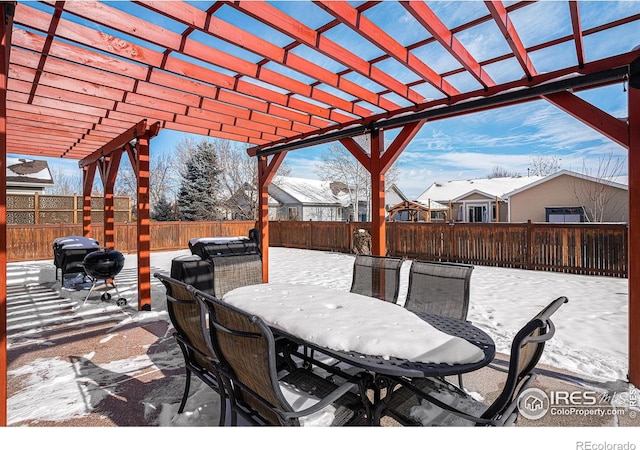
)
(121, 399)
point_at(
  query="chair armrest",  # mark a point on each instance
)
(325, 401)
(446, 407)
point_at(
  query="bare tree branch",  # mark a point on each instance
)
(339, 165)
(594, 194)
(544, 165)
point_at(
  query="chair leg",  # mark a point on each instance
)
(223, 405)
(460, 381)
(187, 385)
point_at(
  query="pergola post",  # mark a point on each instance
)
(378, 223)
(6, 25)
(634, 223)
(143, 224)
(266, 171)
(88, 175)
(377, 162)
(108, 171)
(135, 141)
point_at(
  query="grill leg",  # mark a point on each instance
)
(93, 285)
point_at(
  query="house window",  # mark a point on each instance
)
(477, 213)
(293, 213)
(565, 214)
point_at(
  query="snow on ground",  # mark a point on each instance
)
(591, 337)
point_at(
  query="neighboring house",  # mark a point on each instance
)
(242, 204)
(305, 199)
(293, 198)
(393, 195)
(479, 200)
(25, 176)
(568, 196)
(564, 196)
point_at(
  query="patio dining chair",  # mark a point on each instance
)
(440, 288)
(261, 394)
(184, 312)
(377, 276)
(234, 271)
(434, 402)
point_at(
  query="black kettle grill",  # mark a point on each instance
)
(104, 265)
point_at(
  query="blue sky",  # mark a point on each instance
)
(469, 146)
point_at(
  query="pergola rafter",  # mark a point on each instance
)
(354, 19)
(232, 34)
(427, 18)
(82, 80)
(577, 31)
(315, 39)
(501, 17)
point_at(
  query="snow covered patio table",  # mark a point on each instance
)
(366, 332)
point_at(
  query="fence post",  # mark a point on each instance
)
(36, 208)
(452, 253)
(75, 208)
(529, 237)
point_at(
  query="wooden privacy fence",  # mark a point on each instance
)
(44, 209)
(34, 242)
(590, 249)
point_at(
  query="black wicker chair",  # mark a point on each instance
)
(377, 276)
(440, 288)
(234, 271)
(434, 402)
(248, 351)
(185, 314)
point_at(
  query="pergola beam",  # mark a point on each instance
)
(398, 145)
(592, 116)
(509, 95)
(116, 144)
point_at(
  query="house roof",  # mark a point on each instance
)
(618, 182)
(308, 191)
(489, 187)
(393, 189)
(26, 172)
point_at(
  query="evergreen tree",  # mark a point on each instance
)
(199, 188)
(163, 211)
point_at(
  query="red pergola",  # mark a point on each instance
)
(93, 81)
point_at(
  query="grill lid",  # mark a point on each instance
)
(103, 264)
